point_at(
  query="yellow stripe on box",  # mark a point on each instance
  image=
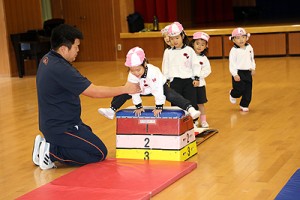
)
(149, 154)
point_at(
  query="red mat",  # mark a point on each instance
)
(119, 179)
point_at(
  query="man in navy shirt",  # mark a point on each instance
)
(67, 139)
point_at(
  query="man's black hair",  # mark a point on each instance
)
(64, 35)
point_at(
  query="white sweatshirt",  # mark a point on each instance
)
(151, 84)
(205, 69)
(181, 63)
(241, 59)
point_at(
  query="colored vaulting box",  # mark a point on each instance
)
(167, 137)
(172, 121)
(150, 154)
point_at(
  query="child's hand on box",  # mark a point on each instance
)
(138, 111)
(157, 112)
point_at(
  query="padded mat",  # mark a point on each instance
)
(114, 179)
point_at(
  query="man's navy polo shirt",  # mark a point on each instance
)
(59, 85)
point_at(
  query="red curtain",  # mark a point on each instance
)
(165, 10)
(213, 11)
(204, 11)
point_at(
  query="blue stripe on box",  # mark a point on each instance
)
(166, 113)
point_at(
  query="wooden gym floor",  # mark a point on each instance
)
(252, 156)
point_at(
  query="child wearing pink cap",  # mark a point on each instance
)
(164, 33)
(152, 82)
(168, 43)
(180, 64)
(242, 68)
(200, 44)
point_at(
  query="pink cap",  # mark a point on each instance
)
(239, 32)
(175, 29)
(135, 57)
(165, 30)
(201, 35)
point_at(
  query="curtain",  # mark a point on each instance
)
(202, 11)
(164, 10)
(213, 11)
(46, 9)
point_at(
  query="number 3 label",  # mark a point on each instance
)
(147, 156)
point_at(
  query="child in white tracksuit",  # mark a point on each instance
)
(116, 103)
(180, 64)
(200, 44)
(151, 81)
(242, 68)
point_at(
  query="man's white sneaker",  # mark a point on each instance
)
(44, 156)
(231, 99)
(107, 112)
(244, 109)
(194, 113)
(36, 149)
(204, 124)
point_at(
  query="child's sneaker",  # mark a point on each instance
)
(36, 149)
(204, 124)
(194, 113)
(244, 109)
(44, 156)
(107, 112)
(231, 99)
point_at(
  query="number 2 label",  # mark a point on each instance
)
(147, 141)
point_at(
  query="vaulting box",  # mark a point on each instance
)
(167, 137)
(159, 154)
(172, 121)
